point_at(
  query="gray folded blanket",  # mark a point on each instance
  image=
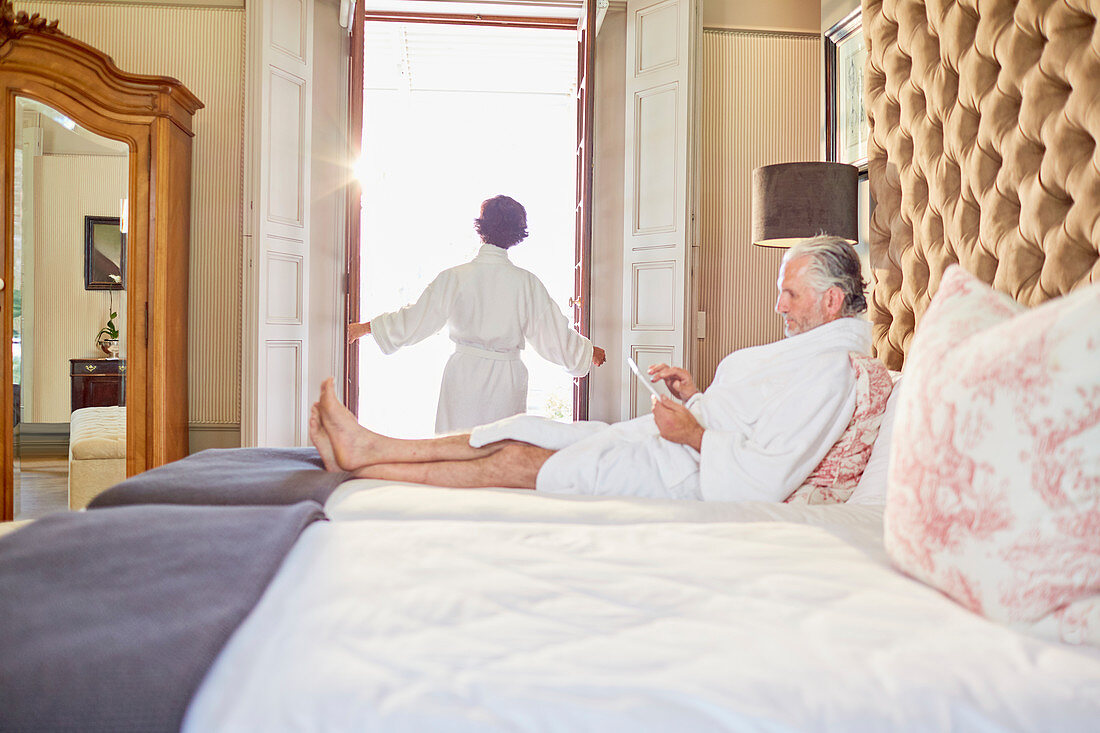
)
(229, 476)
(110, 620)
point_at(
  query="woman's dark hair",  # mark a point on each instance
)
(503, 222)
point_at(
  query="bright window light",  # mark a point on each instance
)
(451, 116)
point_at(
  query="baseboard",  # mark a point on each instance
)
(42, 438)
(51, 437)
(204, 435)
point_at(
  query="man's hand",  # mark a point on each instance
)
(676, 423)
(357, 331)
(599, 356)
(678, 381)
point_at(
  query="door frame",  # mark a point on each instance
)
(582, 272)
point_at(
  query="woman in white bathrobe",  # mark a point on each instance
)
(492, 309)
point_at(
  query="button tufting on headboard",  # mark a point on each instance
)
(984, 122)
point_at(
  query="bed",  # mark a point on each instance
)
(407, 608)
(428, 609)
(97, 452)
(418, 608)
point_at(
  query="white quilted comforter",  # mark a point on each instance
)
(421, 609)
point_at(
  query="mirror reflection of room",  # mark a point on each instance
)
(69, 318)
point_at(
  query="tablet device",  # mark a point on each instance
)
(644, 379)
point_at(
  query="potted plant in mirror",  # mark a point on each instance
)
(107, 338)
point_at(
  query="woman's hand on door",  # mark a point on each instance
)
(357, 331)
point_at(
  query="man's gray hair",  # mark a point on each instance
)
(833, 261)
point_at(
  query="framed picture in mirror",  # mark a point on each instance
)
(104, 253)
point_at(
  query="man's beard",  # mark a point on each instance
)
(815, 318)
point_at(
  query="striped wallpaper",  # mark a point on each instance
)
(205, 49)
(759, 105)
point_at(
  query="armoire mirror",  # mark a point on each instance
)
(52, 83)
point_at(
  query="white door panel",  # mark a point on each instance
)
(659, 189)
(275, 339)
(645, 357)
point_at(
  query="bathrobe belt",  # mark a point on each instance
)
(486, 354)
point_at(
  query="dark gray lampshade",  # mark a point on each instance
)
(792, 201)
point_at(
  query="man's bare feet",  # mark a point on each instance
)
(353, 446)
(320, 440)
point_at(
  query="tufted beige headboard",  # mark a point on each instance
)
(985, 117)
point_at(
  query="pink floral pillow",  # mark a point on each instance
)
(994, 479)
(836, 477)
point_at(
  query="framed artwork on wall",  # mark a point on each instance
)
(846, 119)
(104, 253)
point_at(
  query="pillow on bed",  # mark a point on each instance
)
(994, 478)
(836, 476)
(871, 488)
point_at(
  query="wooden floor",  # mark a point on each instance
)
(41, 484)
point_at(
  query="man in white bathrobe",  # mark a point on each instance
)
(766, 421)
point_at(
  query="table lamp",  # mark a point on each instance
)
(793, 201)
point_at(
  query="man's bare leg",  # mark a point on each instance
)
(319, 438)
(514, 465)
(355, 447)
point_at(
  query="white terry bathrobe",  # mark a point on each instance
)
(491, 306)
(770, 416)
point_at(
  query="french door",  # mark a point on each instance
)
(585, 26)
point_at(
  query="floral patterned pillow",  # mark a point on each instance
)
(994, 479)
(836, 477)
